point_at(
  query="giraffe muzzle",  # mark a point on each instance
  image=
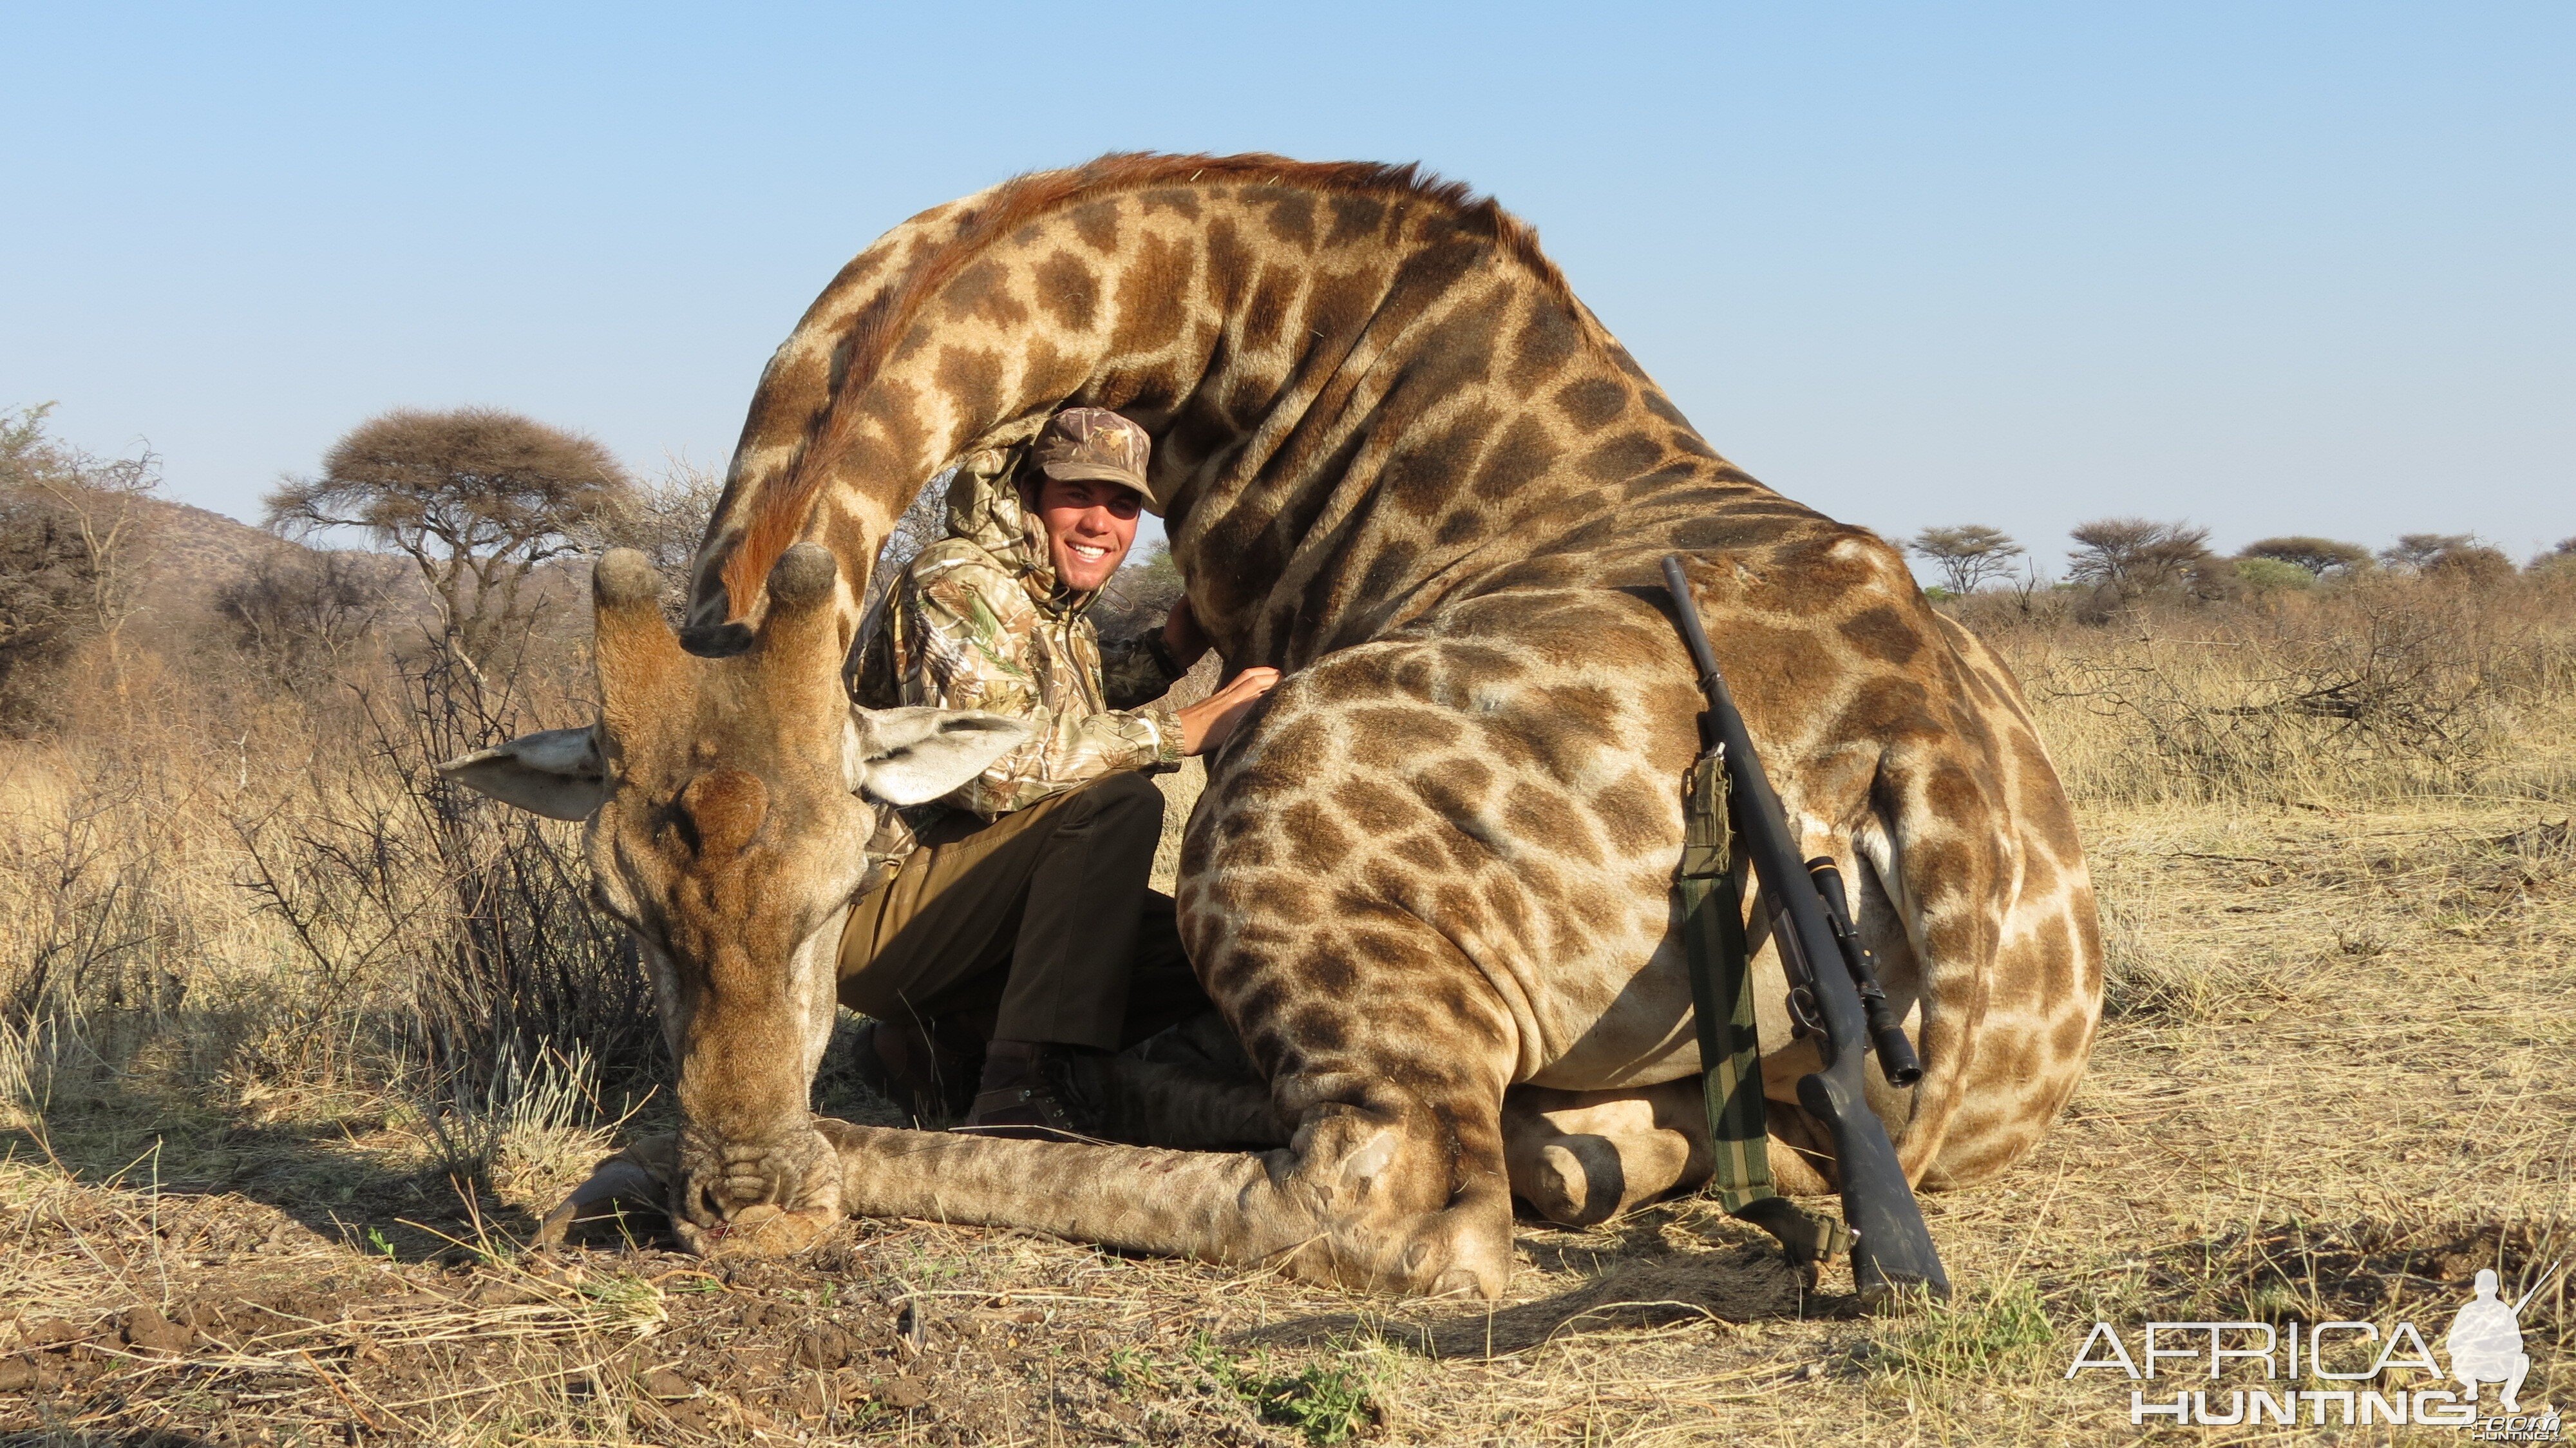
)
(764, 1198)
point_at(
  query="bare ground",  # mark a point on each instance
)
(2334, 1083)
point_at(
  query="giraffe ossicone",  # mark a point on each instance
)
(1430, 886)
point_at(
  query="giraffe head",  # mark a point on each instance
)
(731, 804)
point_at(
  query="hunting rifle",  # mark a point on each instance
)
(1844, 1009)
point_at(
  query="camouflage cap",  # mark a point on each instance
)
(1095, 443)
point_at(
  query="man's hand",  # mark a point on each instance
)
(1183, 639)
(1206, 724)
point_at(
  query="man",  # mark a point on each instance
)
(1021, 919)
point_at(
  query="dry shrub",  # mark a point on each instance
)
(219, 896)
(489, 905)
(2385, 687)
(300, 614)
(105, 911)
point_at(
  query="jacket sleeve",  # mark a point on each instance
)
(970, 626)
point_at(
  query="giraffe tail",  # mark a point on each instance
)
(1929, 908)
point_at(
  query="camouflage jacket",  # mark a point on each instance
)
(976, 621)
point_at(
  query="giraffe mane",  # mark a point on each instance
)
(781, 513)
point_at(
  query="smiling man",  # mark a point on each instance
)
(1019, 926)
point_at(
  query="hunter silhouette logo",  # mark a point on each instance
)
(2485, 1342)
(2316, 1371)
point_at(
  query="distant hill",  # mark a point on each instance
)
(194, 545)
(197, 551)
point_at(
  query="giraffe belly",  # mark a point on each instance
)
(1643, 1033)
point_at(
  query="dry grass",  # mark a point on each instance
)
(2388, 689)
(2332, 1081)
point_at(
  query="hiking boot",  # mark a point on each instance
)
(1036, 1091)
(921, 1067)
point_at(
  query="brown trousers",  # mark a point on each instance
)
(1036, 926)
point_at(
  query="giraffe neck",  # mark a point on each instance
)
(1366, 392)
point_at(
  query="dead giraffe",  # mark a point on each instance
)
(1431, 885)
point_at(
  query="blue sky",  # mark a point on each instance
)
(2271, 267)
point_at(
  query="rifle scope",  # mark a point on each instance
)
(1896, 1058)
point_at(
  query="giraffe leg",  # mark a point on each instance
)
(1189, 1086)
(1383, 1188)
(1154, 1103)
(1582, 1157)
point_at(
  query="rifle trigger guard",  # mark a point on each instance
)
(1803, 1019)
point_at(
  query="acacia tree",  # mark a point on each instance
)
(2414, 550)
(2322, 557)
(2129, 558)
(2449, 555)
(477, 498)
(1969, 556)
(2470, 562)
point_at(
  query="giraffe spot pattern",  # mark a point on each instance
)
(1592, 403)
(1068, 291)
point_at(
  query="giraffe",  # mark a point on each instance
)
(1430, 882)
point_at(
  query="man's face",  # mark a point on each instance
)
(1089, 525)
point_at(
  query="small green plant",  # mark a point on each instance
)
(376, 1243)
(1212, 1359)
(1980, 1338)
(1328, 1402)
(1131, 1368)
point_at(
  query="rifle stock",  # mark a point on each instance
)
(1892, 1247)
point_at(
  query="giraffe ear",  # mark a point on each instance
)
(911, 756)
(556, 774)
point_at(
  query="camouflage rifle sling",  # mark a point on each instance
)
(1730, 1043)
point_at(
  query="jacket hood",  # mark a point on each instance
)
(984, 509)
